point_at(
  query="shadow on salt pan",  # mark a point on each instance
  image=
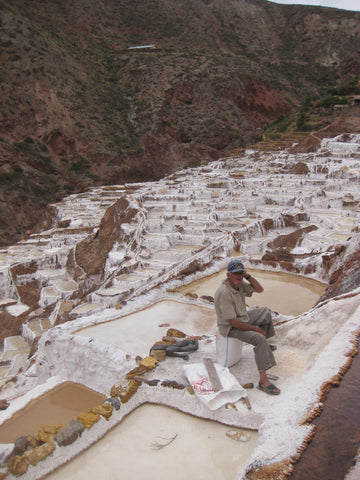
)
(137, 332)
(157, 442)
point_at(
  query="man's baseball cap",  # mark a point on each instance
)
(235, 266)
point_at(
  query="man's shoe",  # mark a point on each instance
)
(270, 389)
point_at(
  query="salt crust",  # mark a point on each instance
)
(281, 435)
(278, 419)
(312, 349)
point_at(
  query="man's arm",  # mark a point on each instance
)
(234, 322)
(253, 282)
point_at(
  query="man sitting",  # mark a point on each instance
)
(253, 326)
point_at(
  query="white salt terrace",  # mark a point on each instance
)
(195, 217)
(197, 318)
(203, 219)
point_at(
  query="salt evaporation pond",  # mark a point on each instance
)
(60, 405)
(283, 292)
(128, 449)
(201, 449)
(137, 332)
(204, 444)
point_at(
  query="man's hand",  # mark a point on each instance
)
(254, 283)
(258, 330)
(245, 326)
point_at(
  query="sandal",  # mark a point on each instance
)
(270, 389)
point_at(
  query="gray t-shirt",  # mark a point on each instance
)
(230, 303)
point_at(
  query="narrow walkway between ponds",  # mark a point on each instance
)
(335, 444)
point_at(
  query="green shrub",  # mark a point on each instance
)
(329, 100)
(280, 124)
(194, 164)
(350, 88)
(17, 169)
(32, 147)
(12, 176)
(68, 188)
(301, 121)
(45, 193)
(80, 166)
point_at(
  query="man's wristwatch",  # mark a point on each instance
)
(247, 278)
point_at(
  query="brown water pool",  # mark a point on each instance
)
(283, 292)
(60, 405)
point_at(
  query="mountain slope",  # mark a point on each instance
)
(79, 108)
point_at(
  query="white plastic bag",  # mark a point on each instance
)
(231, 391)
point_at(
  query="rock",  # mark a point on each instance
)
(300, 168)
(69, 433)
(173, 384)
(167, 340)
(21, 445)
(191, 295)
(114, 401)
(173, 332)
(153, 382)
(88, 419)
(149, 363)
(105, 410)
(64, 223)
(194, 266)
(91, 253)
(37, 454)
(190, 390)
(17, 465)
(4, 404)
(159, 355)
(136, 371)
(124, 389)
(284, 243)
(33, 440)
(208, 298)
(343, 265)
(47, 432)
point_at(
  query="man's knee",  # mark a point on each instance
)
(266, 312)
(258, 339)
(260, 315)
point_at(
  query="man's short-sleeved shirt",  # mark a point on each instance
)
(230, 303)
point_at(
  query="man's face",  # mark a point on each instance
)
(235, 279)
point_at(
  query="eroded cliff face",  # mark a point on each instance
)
(87, 261)
(344, 266)
(79, 108)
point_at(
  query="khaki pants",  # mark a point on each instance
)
(261, 317)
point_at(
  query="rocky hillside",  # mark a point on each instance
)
(80, 107)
